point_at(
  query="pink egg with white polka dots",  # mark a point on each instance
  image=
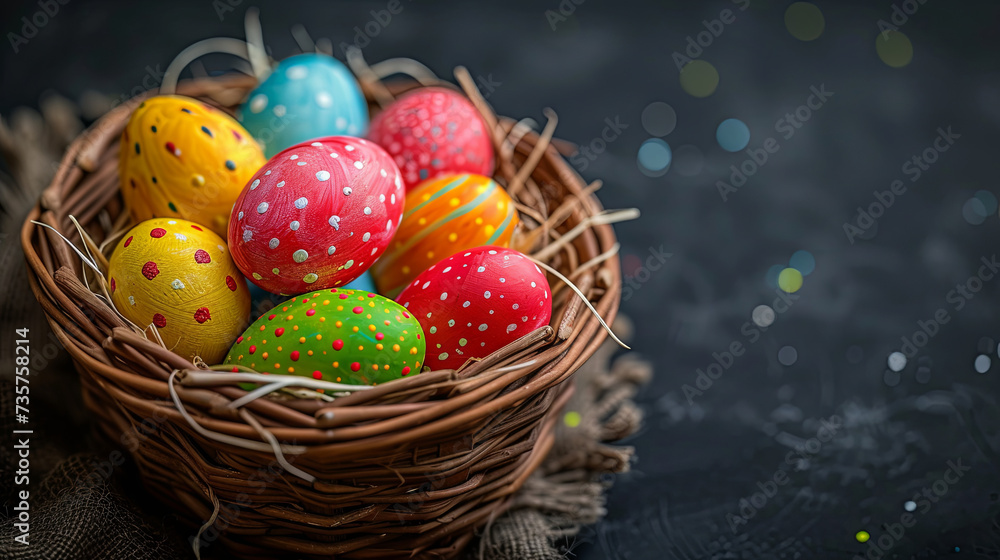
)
(433, 131)
(316, 215)
(475, 302)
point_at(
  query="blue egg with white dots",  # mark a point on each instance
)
(306, 96)
(733, 135)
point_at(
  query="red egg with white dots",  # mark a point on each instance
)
(476, 302)
(434, 131)
(316, 215)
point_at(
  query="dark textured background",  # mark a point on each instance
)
(610, 59)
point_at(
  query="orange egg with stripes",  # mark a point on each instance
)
(442, 216)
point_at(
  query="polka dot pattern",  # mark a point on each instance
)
(316, 221)
(307, 96)
(476, 302)
(445, 215)
(434, 131)
(185, 284)
(335, 335)
(182, 158)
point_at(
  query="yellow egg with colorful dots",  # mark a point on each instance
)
(441, 217)
(179, 277)
(181, 158)
(337, 334)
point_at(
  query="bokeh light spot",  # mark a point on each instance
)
(910, 506)
(862, 536)
(974, 211)
(790, 280)
(787, 355)
(985, 345)
(654, 157)
(983, 363)
(891, 378)
(733, 135)
(631, 264)
(762, 315)
(897, 361)
(803, 261)
(699, 78)
(688, 160)
(989, 200)
(572, 419)
(894, 48)
(804, 21)
(659, 119)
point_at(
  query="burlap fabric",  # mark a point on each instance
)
(86, 500)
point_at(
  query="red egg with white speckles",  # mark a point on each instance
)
(476, 302)
(434, 131)
(317, 215)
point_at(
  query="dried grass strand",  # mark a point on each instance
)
(228, 45)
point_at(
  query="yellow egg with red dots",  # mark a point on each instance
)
(184, 159)
(441, 217)
(179, 277)
(337, 334)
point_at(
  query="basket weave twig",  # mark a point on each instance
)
(408, 468)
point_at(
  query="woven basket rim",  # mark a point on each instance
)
(513, 409)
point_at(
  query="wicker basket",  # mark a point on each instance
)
(408, 469)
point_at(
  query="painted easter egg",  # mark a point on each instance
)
(317, 215)
(179, 276)
(475, 302)
(181, 158)
(434, 131)
(339, 335)
(307, 96)
(442, 216)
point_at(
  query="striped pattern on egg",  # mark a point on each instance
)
(433, 131)
(178, 276)
(475, 302)
(317, 215)
(339, 335)
(182, 158)
(442, 216)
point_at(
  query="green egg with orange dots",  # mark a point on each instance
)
(339, 335)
